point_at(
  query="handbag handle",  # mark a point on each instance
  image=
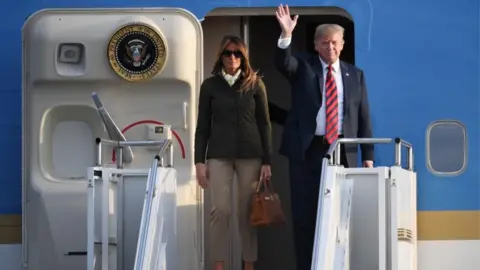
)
(267, 186)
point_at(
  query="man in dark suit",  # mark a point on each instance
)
(329, 101)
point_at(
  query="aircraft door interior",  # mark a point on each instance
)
(276, 243)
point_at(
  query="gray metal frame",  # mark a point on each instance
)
(166, 148)
(332, 158)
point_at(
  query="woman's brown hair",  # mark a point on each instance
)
(250, 77)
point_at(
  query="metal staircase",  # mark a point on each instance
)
(131, 207)
(366, 217)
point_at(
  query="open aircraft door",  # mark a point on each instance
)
(146, 64)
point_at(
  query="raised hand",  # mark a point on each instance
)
(285, 20)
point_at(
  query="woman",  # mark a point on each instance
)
(233, 121)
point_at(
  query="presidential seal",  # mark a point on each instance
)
(137, 52)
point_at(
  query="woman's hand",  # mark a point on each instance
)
(202, 174)
(265, 173)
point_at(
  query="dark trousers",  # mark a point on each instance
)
(304, 188)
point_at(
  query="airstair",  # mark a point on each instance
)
(130, 208)
(366, 217)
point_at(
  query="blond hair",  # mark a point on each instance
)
(328, 29)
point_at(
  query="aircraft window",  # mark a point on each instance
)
(446, 147)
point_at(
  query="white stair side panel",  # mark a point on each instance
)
(342, 258)
(406, 210)
(368, 222)
(325, 231)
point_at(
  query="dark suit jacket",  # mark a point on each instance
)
(304, 73)
(277, 114)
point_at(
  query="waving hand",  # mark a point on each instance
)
(285, 20)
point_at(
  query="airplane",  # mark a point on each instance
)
(421, 64)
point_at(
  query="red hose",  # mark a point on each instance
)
(141, 122)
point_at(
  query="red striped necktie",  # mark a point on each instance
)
(331, 125)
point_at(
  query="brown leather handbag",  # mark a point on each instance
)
(266, 206)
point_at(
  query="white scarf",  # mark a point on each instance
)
(231, 79)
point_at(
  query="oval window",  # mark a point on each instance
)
(446, 147)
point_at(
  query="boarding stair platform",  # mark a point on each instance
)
(366, 216)
(131, 216)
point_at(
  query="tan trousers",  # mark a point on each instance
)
(220, 175)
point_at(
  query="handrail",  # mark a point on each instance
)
(146, 212)
(142, 233)
(165, 146)
(398, 153)
(119, 145)
(112, 129)
(334, 151)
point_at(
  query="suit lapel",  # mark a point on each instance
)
(317, 68)
(347, 82)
